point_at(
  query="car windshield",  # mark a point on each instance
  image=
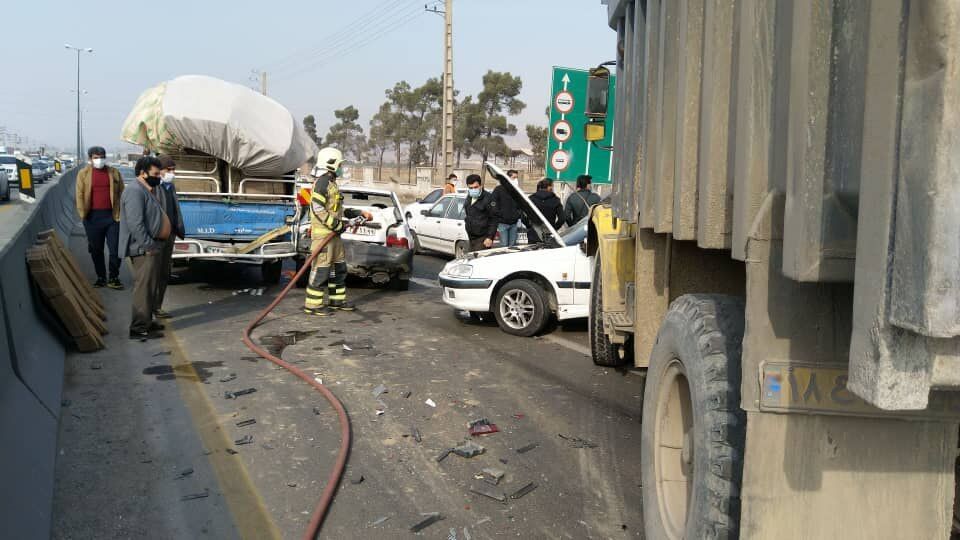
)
(8, 160)
(367, 199)
(574, 235)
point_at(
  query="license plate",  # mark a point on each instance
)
(215, 250)
(364, 231)
(822, 389)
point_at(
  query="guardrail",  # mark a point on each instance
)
(32, 358)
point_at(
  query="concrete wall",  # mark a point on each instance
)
(31, 366)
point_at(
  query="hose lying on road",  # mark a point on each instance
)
(334, 479)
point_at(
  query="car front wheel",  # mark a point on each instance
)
(521, 308)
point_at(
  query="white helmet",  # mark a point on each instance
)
(328, 159)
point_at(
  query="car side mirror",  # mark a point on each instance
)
(425, 212)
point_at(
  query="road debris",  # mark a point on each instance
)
(407, 394)
(466, 534)
(96, 364)
(346, 347)
(519, 416)
(228, 378)
(194, 496)
(523, 491)
(316, 410)
(492, 476)
(380, 411)
(482, 426)
(232, 452)
(415, 433)
(379, 391)
(244, 423)
(246, 439)
(234, 395)
(161, 353)
(356, 478)
(431, 518)
(452, 535)
(380, 521)
(185, 473)
(291, 484)
(443, 455)
(577, 442)
(430, 402)
(469, 450)
(482, 521)
(497, 496)
(527, 448)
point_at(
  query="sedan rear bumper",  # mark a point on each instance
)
(365, 259)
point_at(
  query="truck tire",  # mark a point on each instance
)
(603, 352)
(521, 308)
(270, 272)
(693, 430)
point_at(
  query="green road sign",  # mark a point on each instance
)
(568, 153)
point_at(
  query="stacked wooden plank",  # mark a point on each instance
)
(68, 291)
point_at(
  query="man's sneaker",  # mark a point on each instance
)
(317, 312)
(154, 327)
(342, 305)
(161, 314)
(115, 284)
(100, 282)
(143, 336)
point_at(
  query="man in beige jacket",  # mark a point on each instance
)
(99, 187)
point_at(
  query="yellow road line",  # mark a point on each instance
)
(249, 512)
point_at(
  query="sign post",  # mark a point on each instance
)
(568, 153)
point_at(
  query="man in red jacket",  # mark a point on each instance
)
(99, 187)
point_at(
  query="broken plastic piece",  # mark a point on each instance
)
(469, 450)
(228, 378)
(186, 472)
(407, 394)
(380, 521)
(416, 433)
(523, 491)
(192, 496)
(316, 410)
(488, 493)
(443, 455)
(232, 452)
(483, 429)
(519, 416)
(432, 518)
(577, 442)
(244, 423)
(234, 395)
(346, 347)
(356, 478)
(527, 448)
(492, 476)
(246, 439)
(430, 402)
(379, 390)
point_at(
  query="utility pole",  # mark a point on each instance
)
(79, 50)
(446, 137)
(263, 82)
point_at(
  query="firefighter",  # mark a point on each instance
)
(327, 288)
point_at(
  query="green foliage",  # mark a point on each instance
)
(497, 100)
(310, 126)
(347, 134)
(538, 142)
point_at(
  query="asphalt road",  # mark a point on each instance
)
(149, 423)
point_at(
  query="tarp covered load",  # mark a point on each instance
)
(247, 130)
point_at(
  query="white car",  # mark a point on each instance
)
(412, 210)
(381, 249)
(441, 227)
(524, 285)
(9, 164)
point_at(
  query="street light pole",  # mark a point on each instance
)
(79, 50)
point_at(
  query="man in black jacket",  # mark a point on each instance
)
(481, 215)
(579, 203)
(549, 205)
(507, 212)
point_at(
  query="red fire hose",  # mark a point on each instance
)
(316, 520)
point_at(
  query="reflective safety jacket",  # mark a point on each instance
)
(326, 207)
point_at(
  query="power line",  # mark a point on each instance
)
(351, 48)
(344, 35)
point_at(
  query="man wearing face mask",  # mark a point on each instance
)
(98, 192)
(144, 228)
(481, 220)
(507, 213)
(171, 206)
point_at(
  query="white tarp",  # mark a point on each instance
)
(247, 130)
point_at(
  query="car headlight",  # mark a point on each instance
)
(460, 270)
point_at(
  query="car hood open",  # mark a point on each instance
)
(533, 216)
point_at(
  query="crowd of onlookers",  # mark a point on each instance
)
(139, 222)
(489, 214)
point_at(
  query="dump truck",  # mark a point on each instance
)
(779, 256)
(237, 154)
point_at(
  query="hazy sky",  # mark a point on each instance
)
(319, 55)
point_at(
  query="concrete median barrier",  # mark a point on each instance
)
(32, 355)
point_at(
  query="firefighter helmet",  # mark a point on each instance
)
(328, 159)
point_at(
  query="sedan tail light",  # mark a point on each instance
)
(396, 241)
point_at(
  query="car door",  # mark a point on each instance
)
(429, 228)
(452, 227)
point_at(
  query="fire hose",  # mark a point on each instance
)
(316, 520)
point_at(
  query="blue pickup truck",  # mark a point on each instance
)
(235, 218)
